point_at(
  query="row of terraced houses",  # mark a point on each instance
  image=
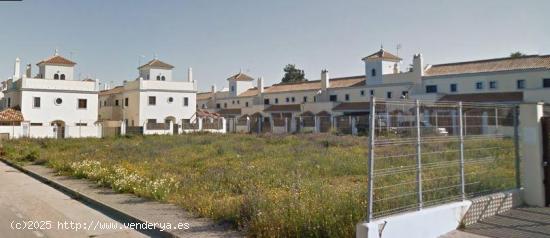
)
(53, 103)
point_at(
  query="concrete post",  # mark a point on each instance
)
(317, 126)
(484, 123)
(224, 129)
(199, 120)
(171, 128)
(531, 143)
(248, 125)
(122, 128)
(353, 126)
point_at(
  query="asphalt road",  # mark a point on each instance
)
(29, 208)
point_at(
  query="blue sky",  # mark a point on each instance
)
(218, 38)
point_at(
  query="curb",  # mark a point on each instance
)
(101, 207)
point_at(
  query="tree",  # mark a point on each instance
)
(293, 74)
(517, 54)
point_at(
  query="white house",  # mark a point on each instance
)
(53, 103)
(152, 101)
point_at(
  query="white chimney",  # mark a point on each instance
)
(214, 88)
(190, 74)
(17, 68)
(261, 84)
(418, 64)
(28, 69)
(325, 80)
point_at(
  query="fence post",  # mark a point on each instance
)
(370, 162)
(516, 145)
(461, 138)
(496, 118)
(418, 157)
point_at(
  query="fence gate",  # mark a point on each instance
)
(546, 155)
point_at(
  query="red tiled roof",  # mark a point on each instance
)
(204, 96)
(344, 82)
(284, 108)
(11, 115)
(490, 65)
(206, 114)
(240, 77)
(323, 113)
(356, 106)
(229, 111)
(157, 64)
(57, 60)
(115, 90)
(384, 55)
(484, 97)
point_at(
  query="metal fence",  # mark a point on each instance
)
(424, 153)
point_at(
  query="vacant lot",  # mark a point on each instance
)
(274, 186)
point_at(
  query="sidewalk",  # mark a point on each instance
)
(132, 207)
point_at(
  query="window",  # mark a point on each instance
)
(186, 101)
(203, 106)
(126, 102)
(362, 92)
(116, 102)
(56, 76)
(152, 100)
(431, 88)
(293, 99)
(232, 88)
(347, 97)
(148, 77)
(276, 100)
(224, 105)
(492, 84)
(218, 106)
(81, 124)
(520, 83)
(453, 88)
(405, 94)
(314, 99)
(82, 103)
(158, 78)
(62, 77)
(238, 102)
(58, 101)
(333, 98)
(9, 102)
(233, 102)
(546, 83)
(246, 104)
(163, 78)
(170, 99)
(36, 102)
(266, 101)
(388, 94)
(104, 103)
(287, 99)
(372, 92)
(305, 99)
(479, 85)
(373, 72)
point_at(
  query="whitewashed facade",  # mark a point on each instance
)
(53, 103)
(153, 98)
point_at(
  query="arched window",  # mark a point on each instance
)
(158, 77)
(62, 77)
(163, 78)
(56, 76)
(373, 72)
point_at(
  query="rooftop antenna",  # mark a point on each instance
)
(381, 46)
(56, 52)
(155, 56)
(398, 47)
